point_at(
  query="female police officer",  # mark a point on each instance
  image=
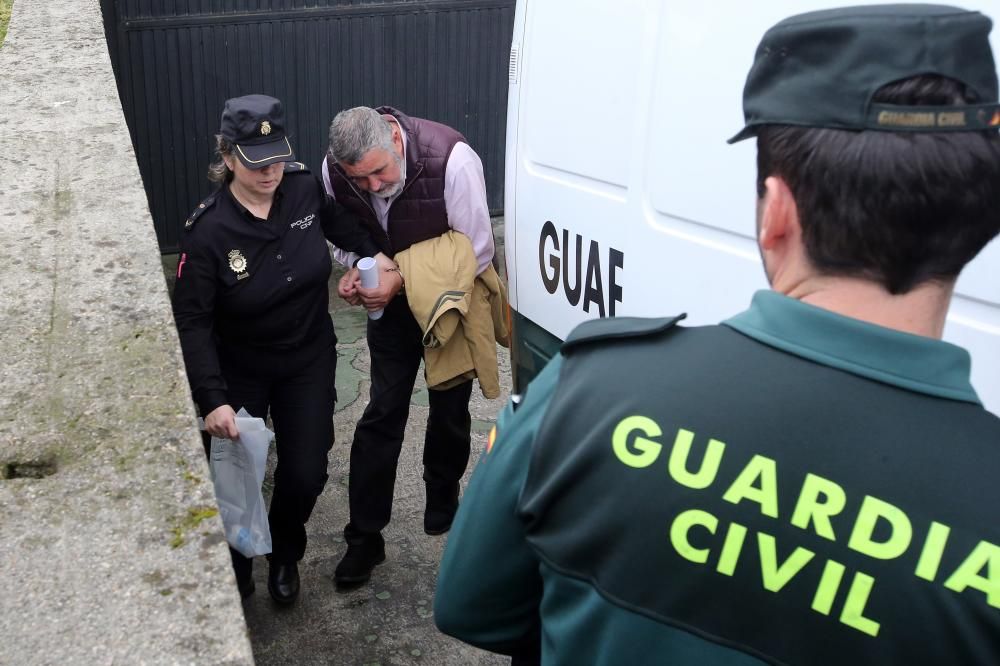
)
(251, 305)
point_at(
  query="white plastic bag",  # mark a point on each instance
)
(238, 468)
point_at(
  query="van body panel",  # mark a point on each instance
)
(623, 197)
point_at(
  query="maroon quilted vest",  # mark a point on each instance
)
(419, 212)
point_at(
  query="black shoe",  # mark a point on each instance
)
(283, 582)
(438, 521)
(364, 552)
(442, 503)
(246, 587)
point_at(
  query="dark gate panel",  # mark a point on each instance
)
(177, 62)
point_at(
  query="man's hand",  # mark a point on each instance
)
(384, 263)
(221, 422)
(389, 284)
(347, 288)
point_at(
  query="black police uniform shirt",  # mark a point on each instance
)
(258, 285)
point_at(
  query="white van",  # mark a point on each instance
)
(623, 197)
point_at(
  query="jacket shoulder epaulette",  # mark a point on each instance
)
(616, 328)
(295, 167)
(207, 203)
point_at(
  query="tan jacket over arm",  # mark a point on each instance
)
(462, 316)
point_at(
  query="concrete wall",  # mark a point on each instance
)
(111, 550)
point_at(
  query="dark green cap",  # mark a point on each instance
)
(821, 69)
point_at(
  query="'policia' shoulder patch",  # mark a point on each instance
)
(617, 328)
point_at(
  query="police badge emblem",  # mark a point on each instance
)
(265, 128)
(238, 263)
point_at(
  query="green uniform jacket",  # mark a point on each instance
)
(791, 487)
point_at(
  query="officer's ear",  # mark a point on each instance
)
(778, 222)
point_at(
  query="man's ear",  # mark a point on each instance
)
(397, 140)
(779, 216)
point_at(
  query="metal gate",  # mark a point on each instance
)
(176, 62)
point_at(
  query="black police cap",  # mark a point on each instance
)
(256, 125)
(821, 69)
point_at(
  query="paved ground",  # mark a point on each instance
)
(389, 621)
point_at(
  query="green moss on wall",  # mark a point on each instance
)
(183, 526)
(5, 6)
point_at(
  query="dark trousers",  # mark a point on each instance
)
(298, 389)
(396, 352)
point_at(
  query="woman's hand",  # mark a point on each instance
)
(221, 422)
(347, 288)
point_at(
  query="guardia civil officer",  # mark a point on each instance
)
(814, 480)
(251, 304)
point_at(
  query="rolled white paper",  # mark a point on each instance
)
(369, 280)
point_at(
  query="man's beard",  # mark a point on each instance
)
(392, 190)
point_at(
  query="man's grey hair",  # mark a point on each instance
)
(356, 131)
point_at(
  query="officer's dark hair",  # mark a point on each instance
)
(899, 208)
(218, 172)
